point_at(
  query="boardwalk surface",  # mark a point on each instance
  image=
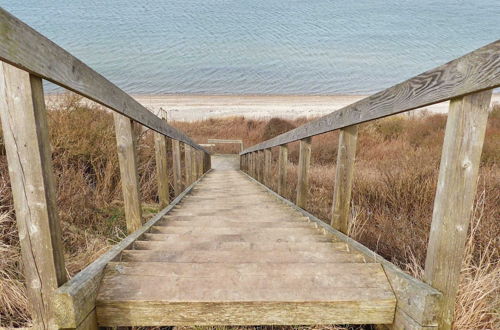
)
(231, 253)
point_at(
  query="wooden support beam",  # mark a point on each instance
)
(456, 188)
(260, 165)
(24, 123)
(303, 172)
(176, 160)
(194, 170)
(188, 164)
(199, 160)
(252, 163)
(267, 167)
(282, 168)
(127, 157)
(161, 142)
(343, 178)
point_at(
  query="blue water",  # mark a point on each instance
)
(262, 46)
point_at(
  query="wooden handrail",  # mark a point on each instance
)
(473, 72)
(26, 49)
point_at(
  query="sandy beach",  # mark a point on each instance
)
(182, 107)
(196, 107)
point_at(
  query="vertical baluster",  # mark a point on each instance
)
(343, 178)
(267, 167)
(303, 172)
(162, 167)
(25, 130)
(176, 159)
(127, 156)
(188, 164)
(456, 188)
(282, 168)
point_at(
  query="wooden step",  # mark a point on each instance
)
(276, 218)
(222, 256)
(155, 294)
(239, 246)
(255, 238)
(233, 230)
(234, 223)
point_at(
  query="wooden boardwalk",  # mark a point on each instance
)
(231, 253)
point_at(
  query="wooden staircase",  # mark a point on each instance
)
(232, 254)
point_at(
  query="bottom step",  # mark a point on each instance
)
(183, 294)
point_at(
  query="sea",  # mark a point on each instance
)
(317, 47)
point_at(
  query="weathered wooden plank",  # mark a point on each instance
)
(473, 72)
(343, 178)
(267, 167)
(138, 313)
(194, 169)
(74, 300)
(161, 142)
(199, 159)
(273, 236)
(416, 298)
(25, 48)
(456, 188)
(176, 166)
(303, 172)
(282, 169)
(239, 246)
(287, 296)
(188, 164)
(240, 142)
(25, 131)
(127, 156)
(243, 257)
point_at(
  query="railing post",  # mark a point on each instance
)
(200, 163)
(161, 142)
(303, 172)
(458, 173)
(282, 169)
(260, 166)
(24, 122)
(267, 167)
(343, 178)
(187, 164)
(127, 157)
(176, 160)
(194, 170)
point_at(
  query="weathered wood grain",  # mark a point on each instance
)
(25, 48)
(161, 142)
(344, 173)
(240, 142)
(473, 72)
(176, 166)
(268, 256)
(25, 131)
(282, 169)
(456, 188)
(138, 313)
(75, 300)
(188, 163)
(267, 167)
(127, 157)
(417, 299)
(303, 172)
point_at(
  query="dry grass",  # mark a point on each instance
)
(395, 178)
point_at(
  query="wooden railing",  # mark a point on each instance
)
(28, 58)
(468, 83)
